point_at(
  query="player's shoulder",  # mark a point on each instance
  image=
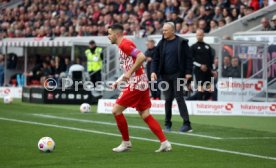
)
(127, 41)
(127, 44)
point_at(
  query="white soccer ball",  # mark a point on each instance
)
(85, 108)
(7, 99)
(46, 144)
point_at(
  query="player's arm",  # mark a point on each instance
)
(120, 79)
(140, 58)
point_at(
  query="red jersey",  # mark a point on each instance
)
(128, 54)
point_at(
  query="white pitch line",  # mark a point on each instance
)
(114, 124)
(140, 138)
(248, 138)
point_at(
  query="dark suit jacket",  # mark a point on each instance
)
(185, 61)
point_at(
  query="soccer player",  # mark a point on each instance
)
(136, 92)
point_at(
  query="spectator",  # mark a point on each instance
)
(150, 30)
(209, 14)
(213, 25)
(203, 26)
(190, 18)
(185, 9)
(202, 13)
(255, 4)
(75, 18)
(218, 14)
(176, 18)
(145, 19)
(226, 66)
(157, 27)
(46, 69)
(242, 11)
(169, 7)
(58, 66)
(264, 4)
(235, 14)
(221, 23)
(225, 13)
(265, 24)
(235, 69)
(67, 63)
(155, 91)
(248, 10)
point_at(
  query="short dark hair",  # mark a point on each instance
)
(116, 26)
(92, 42)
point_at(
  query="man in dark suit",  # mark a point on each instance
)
(172, 61)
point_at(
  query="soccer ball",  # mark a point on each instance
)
(7, 99)
(85, 108)
(46, 144)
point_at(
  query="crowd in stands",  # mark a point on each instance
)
(48, 67)
(266, 26)
(52, 18)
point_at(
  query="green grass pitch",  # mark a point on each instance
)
(86, 140)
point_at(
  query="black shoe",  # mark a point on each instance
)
(167, 129)
(186, 128)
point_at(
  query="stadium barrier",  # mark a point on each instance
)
(57, 96)
(14, 92)
(201, 108)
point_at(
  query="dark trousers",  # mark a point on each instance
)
(95, 76)
(172, 93)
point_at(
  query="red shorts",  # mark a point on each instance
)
(140, 100)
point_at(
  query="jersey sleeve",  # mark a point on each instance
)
(130, 49)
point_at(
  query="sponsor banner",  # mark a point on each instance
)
(233, 89)
(157, 107)
(214, 108)
(202, 108)
(258, 109)
(234, 108)
(15, 92)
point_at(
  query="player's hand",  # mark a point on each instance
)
(203, 67)
(153, 76)
(114, 85)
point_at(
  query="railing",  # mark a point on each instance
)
(264, 71)
(10, 4)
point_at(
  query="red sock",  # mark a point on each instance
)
(122, 126)
(155, 128)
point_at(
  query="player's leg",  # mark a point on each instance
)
(123, 128)
(156, 129)
(153, 124)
